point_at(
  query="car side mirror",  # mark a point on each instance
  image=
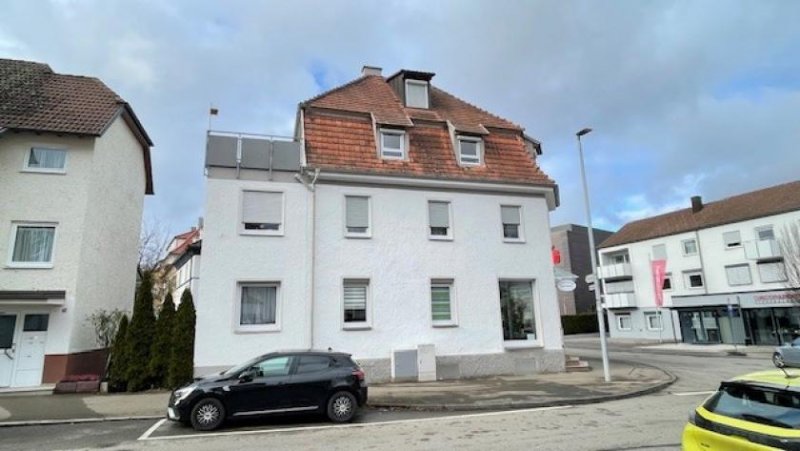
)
(247, 375)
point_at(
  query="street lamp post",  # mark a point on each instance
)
(592, 252)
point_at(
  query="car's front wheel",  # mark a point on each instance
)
(342, 407)
(208, 414)
(777, 360)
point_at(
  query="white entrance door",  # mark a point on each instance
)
(30, 351)
(8, 327)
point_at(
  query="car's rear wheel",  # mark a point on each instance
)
(342, 407)
(208, 414)
(777, 360)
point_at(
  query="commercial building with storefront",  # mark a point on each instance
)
(725, 275)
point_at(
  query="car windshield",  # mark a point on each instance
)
(239, 368)
(773, 407)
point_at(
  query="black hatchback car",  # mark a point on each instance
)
(277, 383)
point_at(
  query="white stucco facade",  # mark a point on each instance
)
(95, 205)
(713, 261)
(398, 260)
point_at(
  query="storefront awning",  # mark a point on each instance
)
(752, 299)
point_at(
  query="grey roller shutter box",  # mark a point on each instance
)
(262, 207)
(439, 213)
(357, 209)
(510, 215)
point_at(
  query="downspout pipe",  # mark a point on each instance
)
(311, 187)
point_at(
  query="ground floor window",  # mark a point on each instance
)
(653, 320)
(258, 304)
(517, 310)
(356, 293)
(624, 322)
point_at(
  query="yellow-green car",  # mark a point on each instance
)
(758, 411)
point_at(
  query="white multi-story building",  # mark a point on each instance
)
(74, 170)
(726, 279)
(399, 222)
(181, 265)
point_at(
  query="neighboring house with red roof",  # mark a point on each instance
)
(398, 222)
(726, 278)
(180, 268)
(74, 170)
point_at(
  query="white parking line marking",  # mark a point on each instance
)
(152, 429)
(146, 435)
(693, 393)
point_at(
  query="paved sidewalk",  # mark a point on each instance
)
(666, 346)
(502, 392)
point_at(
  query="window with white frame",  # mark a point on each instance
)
(738, 275)
(653, 320)
(393, 144)
(660, 252)
(732, 239)
(624, 321)
(689, 247)
(439, 220)
(41, 159)
(469, 150)
(517, 310)
(355, 303)
(693, 279)
(357, 216)
(618, 257)
(33, 245)
(765, 233)
(262, 212)
(511, 216)
(667, 285)
(258, 305)
(442, 302)
(772, 271)
(417, 93)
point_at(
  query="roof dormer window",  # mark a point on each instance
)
(393, 144)
(470, 151)
(416, 93)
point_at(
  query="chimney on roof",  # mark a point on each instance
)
(697, 204)
(370, 70)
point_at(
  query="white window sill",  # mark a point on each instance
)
(521, 344)
(393, 158)
(729, 248)
(29, 266)
(257, 329)
(440, 238)
(261, 233)
(356, 326)
(44, 171)
(445, 324)
(360, 236)
(514, 240)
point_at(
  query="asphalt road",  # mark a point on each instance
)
(650, 422)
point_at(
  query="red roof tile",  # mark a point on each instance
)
(755, 204)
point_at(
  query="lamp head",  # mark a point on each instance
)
(584, 131)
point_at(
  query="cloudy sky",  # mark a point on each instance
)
(696, 97)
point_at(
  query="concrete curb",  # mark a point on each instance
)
(8, 424)
(533, 405)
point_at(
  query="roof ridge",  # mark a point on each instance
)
(337, 88)
(478, 108)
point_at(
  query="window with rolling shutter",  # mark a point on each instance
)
(510, 216)
(357, 216)
(439, 219)
(354, 304)
(262, 212)
(732, 239)
(442, 303)
(738, 275)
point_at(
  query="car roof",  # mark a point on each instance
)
(308, 352)
(771, 379)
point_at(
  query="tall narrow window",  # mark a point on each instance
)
(46, 160)
(357, 216)
(355, 294)
(510, 216)
(439, 219)
(393, 144)
(262, 212)
(416, 93)
(33, 245)
(442, 302)
(469, 150)
(516, 308)
(259, 304)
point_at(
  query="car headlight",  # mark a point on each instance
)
(183, 393)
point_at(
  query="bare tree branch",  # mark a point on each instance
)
(153, 242)
(790, 248)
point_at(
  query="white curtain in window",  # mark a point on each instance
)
(258, 305)
(439, 213)
(262, 207)
(47, 158)
(33, 244)
(357, 211)
(510, 215)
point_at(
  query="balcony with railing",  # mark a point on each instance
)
(620, 300)
(615, 271)
(252, 151)
(762, 249)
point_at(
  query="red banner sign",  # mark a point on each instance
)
(659, 268)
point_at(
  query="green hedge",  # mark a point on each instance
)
(579, 324)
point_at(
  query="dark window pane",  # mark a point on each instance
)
(261, 226)
(439, 231)
(510, 231)
(516, 308)
(7, 323)
(35, 323)
(313, 363)
(353, 315)
(667, 284)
